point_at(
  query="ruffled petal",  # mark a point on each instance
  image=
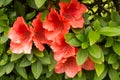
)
(21, 37)
(39, 33)
(55, 25)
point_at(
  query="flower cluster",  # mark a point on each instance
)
(51, 32)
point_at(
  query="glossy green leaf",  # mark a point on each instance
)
(72, 40)
(84, 45)
(116, 65)
(112, 58)
(110, 31)
(37, 52)
(116, 47)
(102, 76)
(93, 37)
(95, 51)
(21, 71)
(96, 25)
(81, 37)
(9, 67)
(2, 70)
(24, 62)
(39, 3)
(36, 69)
(15, 57)
(30, 15)
(32, 4)
(53, 62)
(81, 56)
(6, 2)
(19, 7)
(4, 59)
(99, 68)
(113, 74)
(109, 42)
(46, 58)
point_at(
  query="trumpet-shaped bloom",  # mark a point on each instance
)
(39, 33)
(55, 25)
(21, 37)
(73, 11)
(88, 65)
(61, 49)
(69, 66)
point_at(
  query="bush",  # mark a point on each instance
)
(59, 39)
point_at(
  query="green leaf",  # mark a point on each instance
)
(29, 56)
(84, 45)
(113, 74)
(53, 62)
(116, 65)
(39, 3)
(81, 56)
(4, 59)
(96, 25)
(81, 37)
(99, 68)
(2, 70)
(44, 14)
(46, 58)
(95, 51)
(19, 7)
(116, 47)
(2, 49)
(109, 42)
(93, 36)
(30, 15)
(112, 58)
(9, 67)
(72, 40)
(24, 62)
(98, 60)
(6, 2)
(15, 57)
(115, 17)
(101, 77)
(37, 52)
(21, 71)
(31, 3)
(110, 31)
(36, 69)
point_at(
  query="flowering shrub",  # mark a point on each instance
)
(59, 39)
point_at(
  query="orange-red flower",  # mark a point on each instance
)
(61, 49)
(88, 65)
(68, 65)
(73, 11)
(55, 25)
(39, 33)
(21, 37)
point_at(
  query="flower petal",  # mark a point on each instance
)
(39, 33)
(21, 37)
(88, 65)
(55, 25)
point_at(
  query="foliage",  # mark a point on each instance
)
(99, 40)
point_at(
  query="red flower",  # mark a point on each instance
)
(88, 65)
(61, 49)
(39, 33)
(55, 25)
(21, 37)
(73, 11)
(69, 66)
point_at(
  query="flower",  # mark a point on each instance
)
(73, 11)
(61, 49)
(55, 25)
(88, 65)
(68, 65)
(21, 37)
(39, 33)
